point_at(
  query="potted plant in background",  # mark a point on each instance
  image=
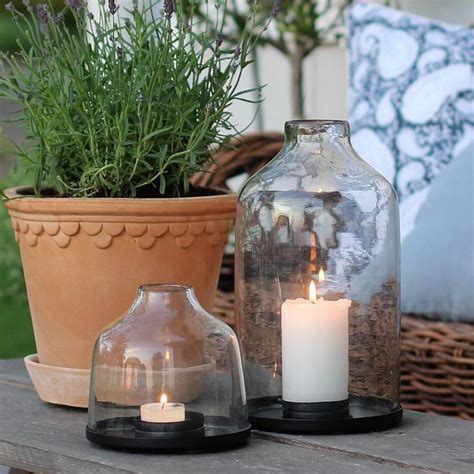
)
(300, 27)
(123, 112)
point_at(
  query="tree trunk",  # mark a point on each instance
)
(297, 83)
(257, 94)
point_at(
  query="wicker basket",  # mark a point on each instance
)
(437, 367)
(437, 359)
(246, 154)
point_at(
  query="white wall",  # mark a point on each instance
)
(326, 72)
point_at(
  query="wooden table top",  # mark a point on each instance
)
(36, 436)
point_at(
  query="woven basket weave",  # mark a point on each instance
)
(437, 359)
(437, 367)
(246, 154)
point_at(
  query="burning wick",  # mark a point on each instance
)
(312, 286)
(312, 292)
(163, 401)
(321, 276)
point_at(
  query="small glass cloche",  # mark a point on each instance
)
(167, 375)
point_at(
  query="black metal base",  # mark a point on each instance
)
(362, 414)
(318, 410)
(129, 433)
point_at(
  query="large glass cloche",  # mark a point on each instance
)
(317, 287)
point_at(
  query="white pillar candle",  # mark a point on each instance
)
(315, 349)
(162, 412)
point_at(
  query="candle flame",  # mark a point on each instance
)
(167, 355)
(321, 275)
(312, 292)
(163, 401)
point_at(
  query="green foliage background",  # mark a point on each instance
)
(16, 333)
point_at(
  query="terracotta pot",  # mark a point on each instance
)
(83, 260)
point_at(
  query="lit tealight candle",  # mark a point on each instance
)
(162, 412)
(315, 358)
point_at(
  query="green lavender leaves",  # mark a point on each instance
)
(124, 100)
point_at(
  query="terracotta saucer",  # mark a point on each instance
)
(70, 387)
(59, 385)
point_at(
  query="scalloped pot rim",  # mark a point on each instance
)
(186, 207)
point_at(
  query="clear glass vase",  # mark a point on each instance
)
(167, 375)
(318, 213)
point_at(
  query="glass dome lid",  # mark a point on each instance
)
(317, 287)
(167, 375)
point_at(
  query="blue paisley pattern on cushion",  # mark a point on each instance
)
(411, 92)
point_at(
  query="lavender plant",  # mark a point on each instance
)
(123, 105)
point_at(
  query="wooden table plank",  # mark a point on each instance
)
(13, 370)
(432, 441)
(38, 436)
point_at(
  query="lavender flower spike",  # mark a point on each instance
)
(75, 5)
(113, 7)
(27, 5)
(237, 52)
(9, 7)
(57, 18)
(168, 8)
(42, 10)
(276, 8)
